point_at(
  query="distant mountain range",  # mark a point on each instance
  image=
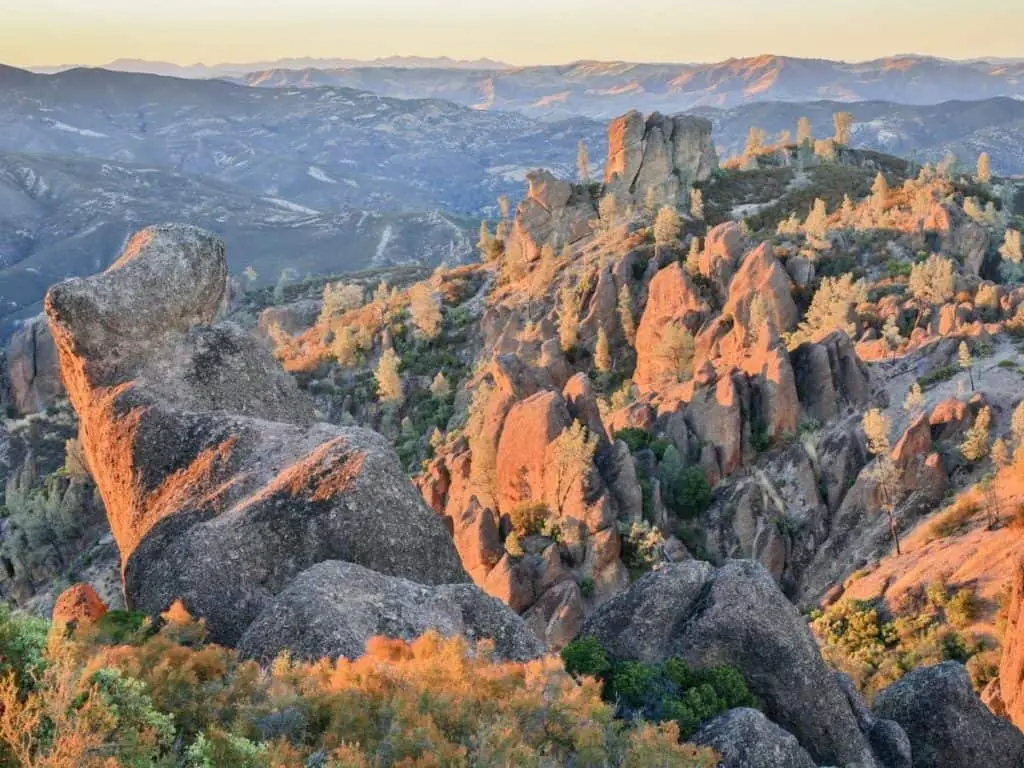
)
(200, 70)
(604, 89)
(331, 178)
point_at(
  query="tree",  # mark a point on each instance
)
(286, 276)
(933, 280)
(607, 212)
(626, 316)
(816, 224)
(485, 242)
(1000, 454)
(572, 457)
(760, 320)
(891, 334)
(582, 163)
(666, 228)
(879, 194)
(568, 316)
(693, 258)
(785, 138)
(389, 382)
(975, 446)
(984, 173)
(339, 298)
(650, 203)
(675, 351)
(756, 139)
(915, 400)
(425, 310)
(344, 346)
(504, 208)
(963, 354)
(884, 471)
(833, 308)
(1012, 249)
(251, 274)
(804, 136)
(847, 212)
(696, 204)
(843, 122)
(440, 387)
(1017, 426)
(602, 352)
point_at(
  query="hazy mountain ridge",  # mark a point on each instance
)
(605, 89)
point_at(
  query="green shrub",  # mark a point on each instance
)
(962, 608)
(22, 642)
(635, 438)
(585, 656)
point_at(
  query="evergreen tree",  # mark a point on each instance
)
(984, 171)
(425, 310)
(884, 470)
(915, 400)
(582, 163)
(666, 228)
(602, 353)
(389, 381)
(693, 258)
(975, 446)
(626, 316)
(804, 135)
(966, 361)
(879, 194)
(696, 204)
(1012, 250)
(843, 122)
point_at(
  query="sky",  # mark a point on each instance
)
(90, 32)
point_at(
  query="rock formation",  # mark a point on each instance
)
(78, 603)
(1011, 667)
(660, 153)
(947, 724)
(737, 616)
(33, 371)
(219, 487)
(745, 738)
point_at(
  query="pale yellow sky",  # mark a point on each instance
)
(36, 32)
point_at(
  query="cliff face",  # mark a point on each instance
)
(219, 486)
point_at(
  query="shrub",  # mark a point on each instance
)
(962, 608)
(528, 519)
(585, 656)
(635, 438)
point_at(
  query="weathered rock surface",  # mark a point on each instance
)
(1011, 667)
(553, 213)
(662, 153)
(33, 371)
(946, 722)
(219, 488)
(761, 275)
(829, 376)
(737, 616)
(333, 608)
(745, 738)
(78, 603)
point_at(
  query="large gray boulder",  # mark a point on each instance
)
(737, 616)
(333, 608)
(946, 722)
(745, 738)
(219, 487)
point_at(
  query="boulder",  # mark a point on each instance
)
(78, 603)
(219, 487)
(761, 275)
(829, 376)
(551, 214)
(531, 427)
(745, 738)
(33, 371)
(333, 608)
(715, 415)
(723, 247)
(557, 616)
(946, 722)
(737, 616)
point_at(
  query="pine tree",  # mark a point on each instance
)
(389, 382)
(602, 353)
(504, 208)
(572, 457)
(582, 163)
(975, 446)
(963, 353)
(933, 280)
(1017, 426)
(891, 334)
(626, 316)
(915, 400)
(843, 122)
(1012, 250)
(568, 316)
(696, 204)
(879, 194)
(650, 203)
(984, 173)
(804, 136)
(755, 142)
(485, 243)
(440, 387)
(816, 224)
(425, 310)
(1000, 454)
(760, 318)
(675, 351)
(884, 471)
(666, 228)
(607, 212)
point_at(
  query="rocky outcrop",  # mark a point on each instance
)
(829, 376)
(33, 371)
(761, 275)
(946, 722)
(78, 603)
(737, 616)
(553, 213)
(290, 318)
(219, 487)
(672, 303)
(665, 154)
(1011, 667)
(333, 608)
(745, 738)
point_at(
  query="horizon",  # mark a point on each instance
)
(59, 33)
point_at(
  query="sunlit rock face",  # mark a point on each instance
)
(219, 486)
